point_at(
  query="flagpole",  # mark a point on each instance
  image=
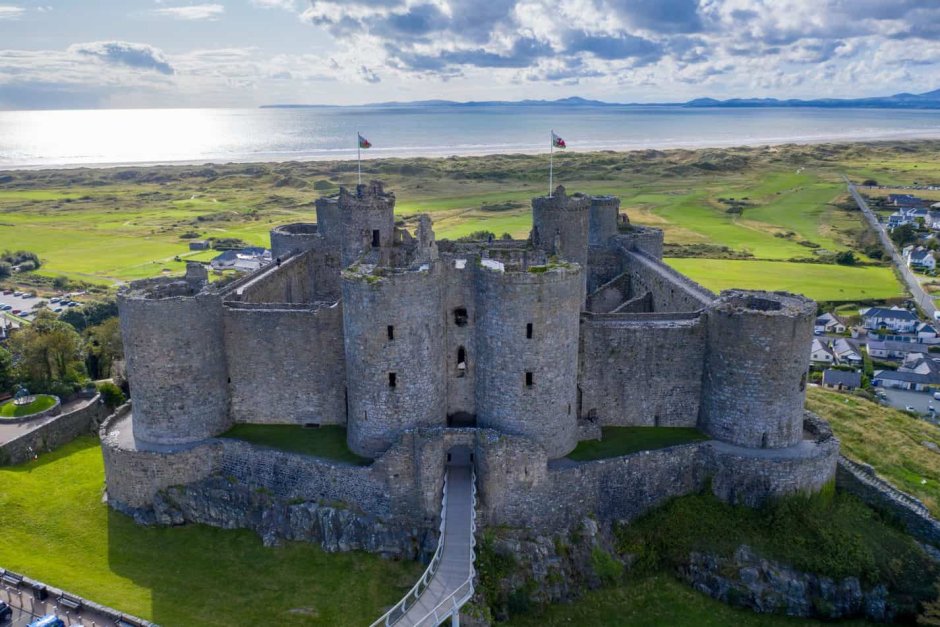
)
(551, 159)
(359, 157)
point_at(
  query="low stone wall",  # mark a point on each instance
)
(91, 610)
(671, 290)
(861, 480)
(57, 432)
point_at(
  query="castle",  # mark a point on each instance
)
(512, 350)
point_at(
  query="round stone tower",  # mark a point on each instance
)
(175, 352)
(754, 383)
(527, 353)
(394, 339)
(290, 239)
(603, 222)
(358, 222)
(560, 225)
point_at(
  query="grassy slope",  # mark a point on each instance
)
(658, 601)
(56, 529)
(100, 226)
(888, 439)
(617, 441)
(818, 281)
(328, 441)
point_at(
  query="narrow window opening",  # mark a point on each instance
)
(391, 331)
(528, 331)
(461, 361)
(375, 238)
(448, 457)
(529, 379)
(803, 383)
(569, 409)
(392, 379)
(460, 316)
(763, 441)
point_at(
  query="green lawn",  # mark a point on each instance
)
(56, 529)
(618, 441)
(42, 403)
(327, 441)
(656, 601)
(821, 282)
(890, 440)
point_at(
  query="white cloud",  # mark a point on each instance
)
(192, 12)
(10, 12)
(287, 5)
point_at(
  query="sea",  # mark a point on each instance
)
(92, 138)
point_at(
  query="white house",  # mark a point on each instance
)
(927, 333)
(895, 319)
(922, 258)
(820, 354)
(829, 323)
(845, 353)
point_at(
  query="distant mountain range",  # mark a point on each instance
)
(929, 100)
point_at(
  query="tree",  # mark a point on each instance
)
(104, 346)
(6, 270)
(90, 315)
(7, 378)
(111, 395)
(47, 352)
(904, 235)
(845, 258)
(869, 183)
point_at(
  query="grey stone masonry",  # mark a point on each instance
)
(424, 349)
(754, 381)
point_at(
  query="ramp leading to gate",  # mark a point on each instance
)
(448, 581)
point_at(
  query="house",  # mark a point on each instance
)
(920, 257)
(891, 349)
(894, 319)
(841, 379)
(901, 380)
(829, 323)
(927, 333)
(820, 354)
(897, 219)
(244, 260)
(845, 352)
(199, 245)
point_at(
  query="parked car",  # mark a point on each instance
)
(16, 312)
(54, 299)
(57, 310)
(17, 294)
(6, 612)
(6, 307)
(909, 408)
(49, 620)
(936, 395)
(7, 292)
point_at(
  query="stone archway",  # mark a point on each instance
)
(460, 455)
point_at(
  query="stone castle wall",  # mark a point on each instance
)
(610, 295)
(641, 369)
(670, 290)
(176, 366)
(544, 409)
(394, 383)
(286, 365)
(754, 383)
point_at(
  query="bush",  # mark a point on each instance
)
(6, 270)
(111, 394)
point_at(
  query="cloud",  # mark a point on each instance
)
(287, 5)
(192, 12)
(10, 12)
(138, 56)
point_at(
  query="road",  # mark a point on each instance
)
(920, 401)
(923, 300)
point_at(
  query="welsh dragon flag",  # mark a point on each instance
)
(557, 141)
(365, 143)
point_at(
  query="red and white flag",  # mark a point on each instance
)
(557, 141)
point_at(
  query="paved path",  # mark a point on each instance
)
(457, 556)
(26, 609)
(923, 300)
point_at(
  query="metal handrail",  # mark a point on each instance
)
(422, 583)
(452, 599)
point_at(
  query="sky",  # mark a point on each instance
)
(64, 54)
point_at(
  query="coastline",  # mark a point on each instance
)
(847, 136)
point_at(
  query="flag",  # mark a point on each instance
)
(557, 141)
(365, 143)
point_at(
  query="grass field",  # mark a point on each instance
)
(106, 226)
(617, 441)
(56, 529)
(41, 403)
(893, 442)
(327, 441)
(821, 282)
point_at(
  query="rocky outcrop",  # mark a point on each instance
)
(768, 587)
(218, 502)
